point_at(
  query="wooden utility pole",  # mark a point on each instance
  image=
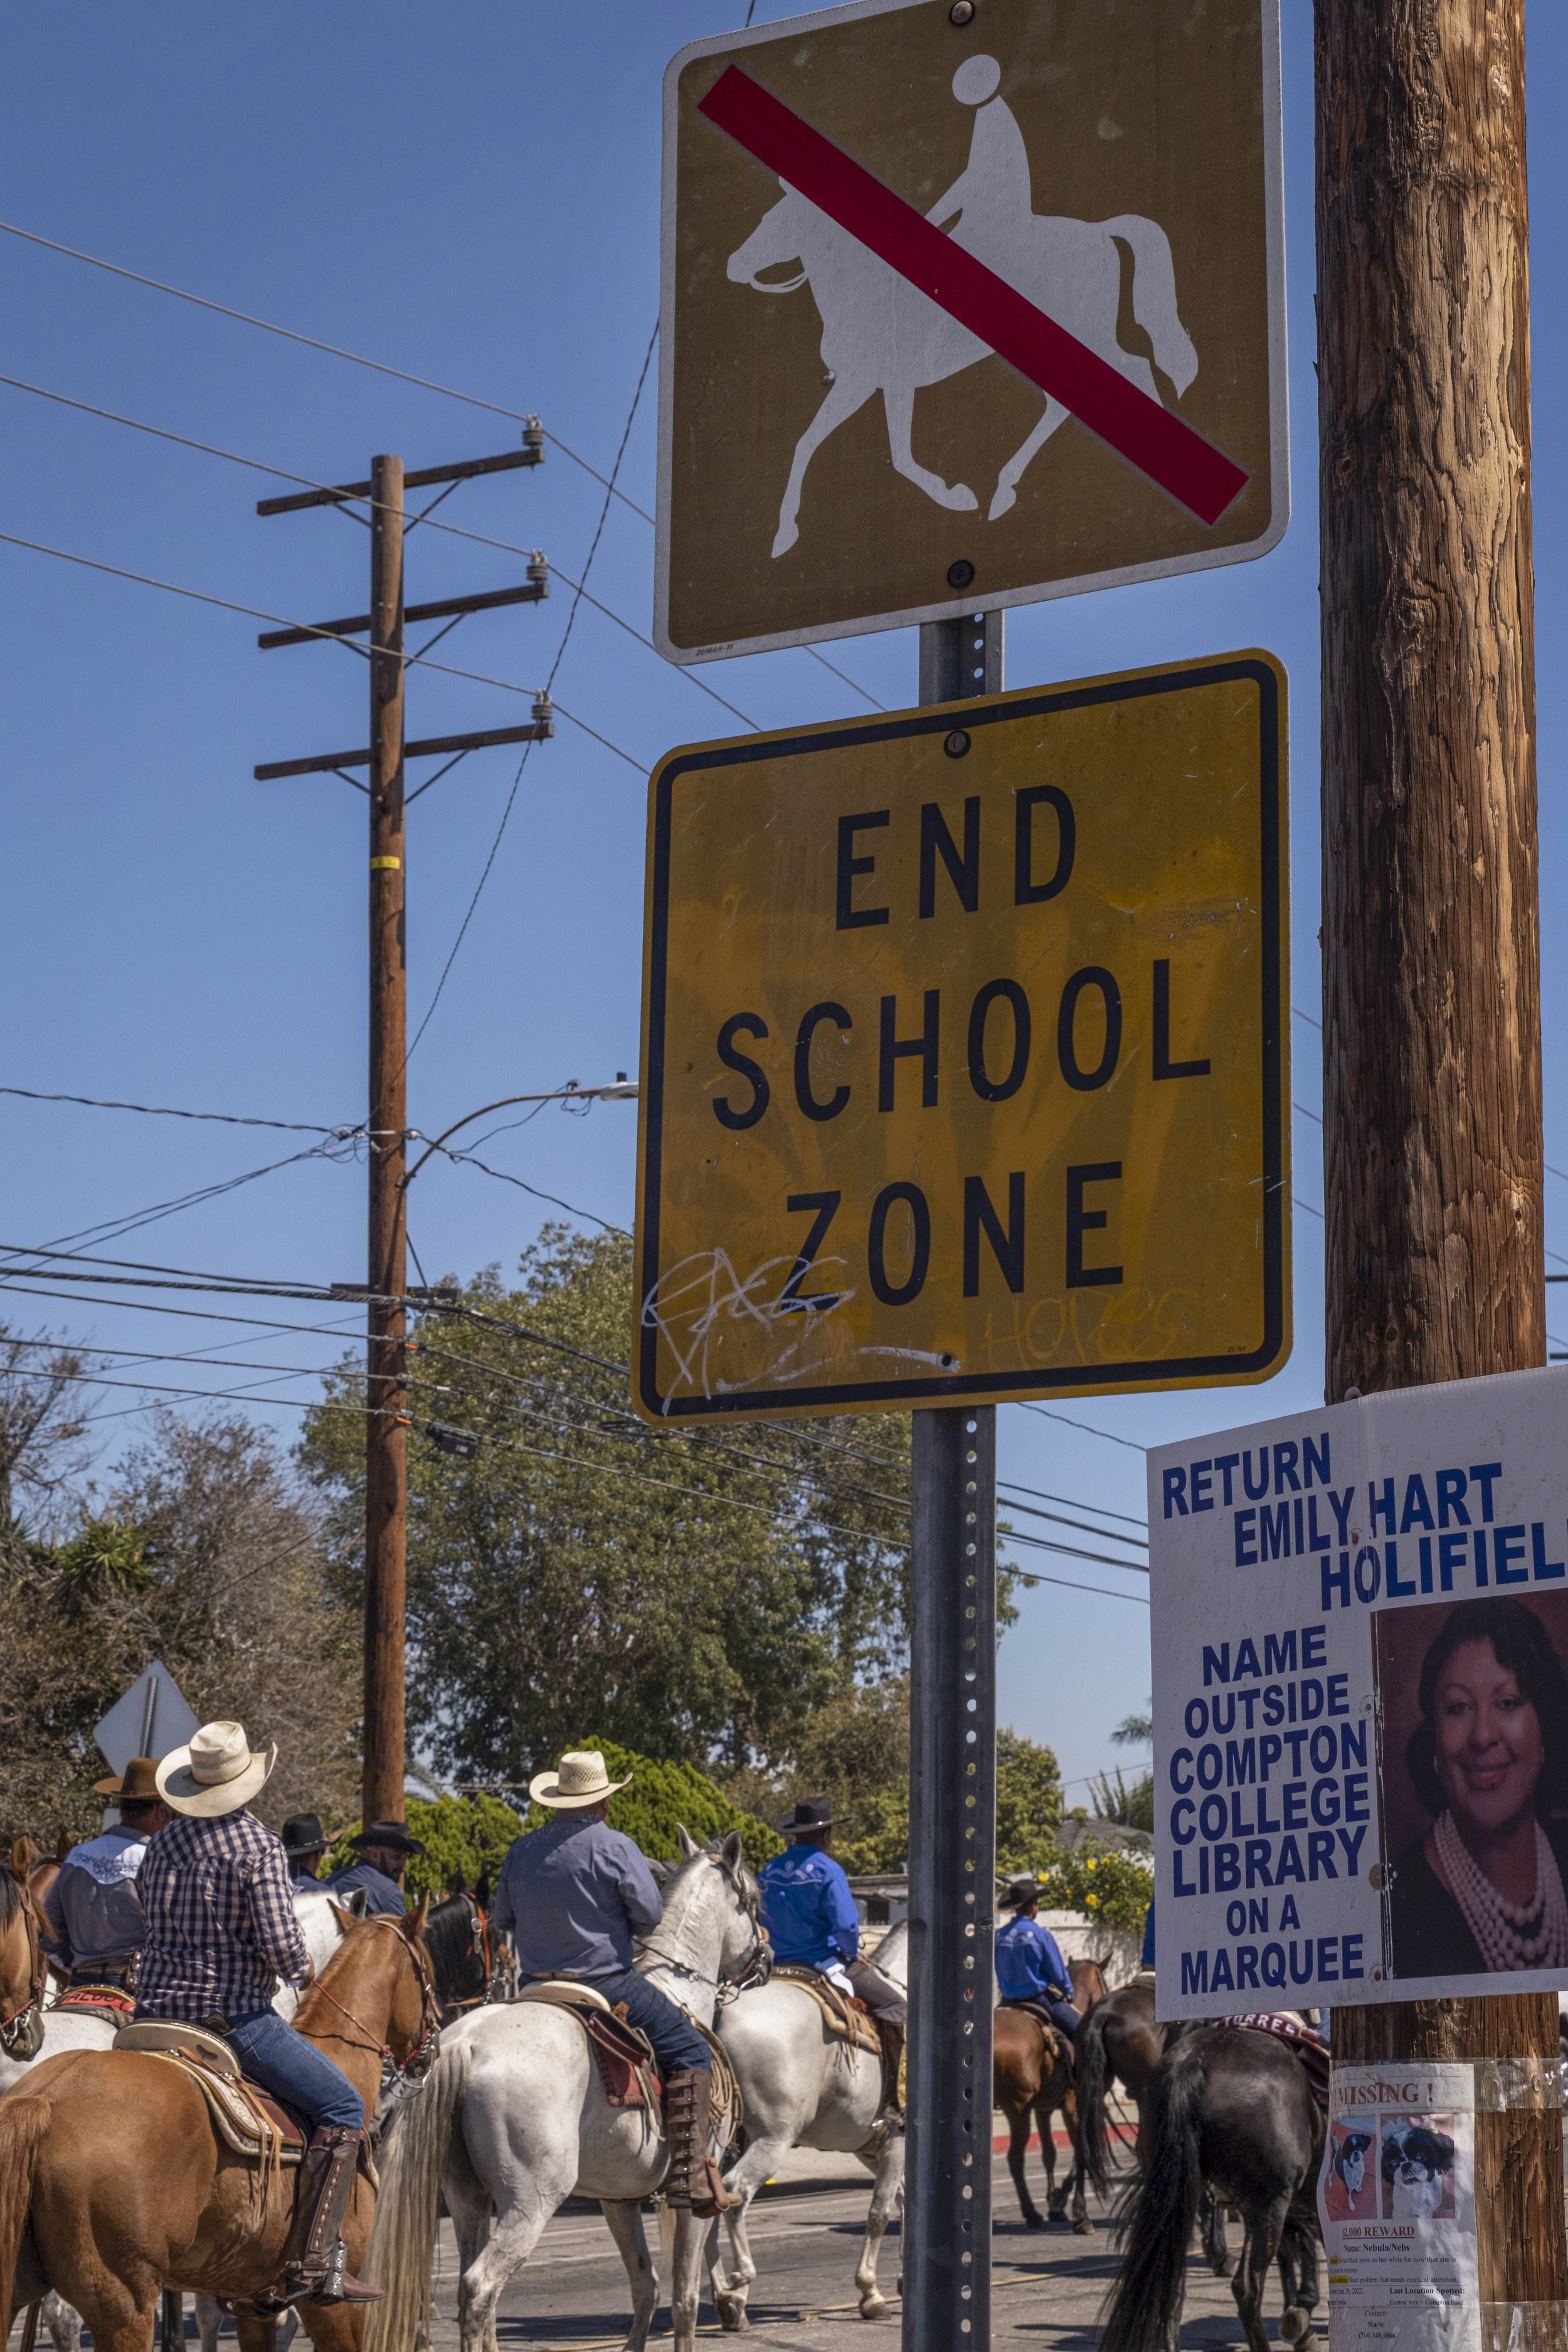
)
(386, 1424)
(386, 1434)
(1432, 1130)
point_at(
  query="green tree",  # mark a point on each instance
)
(1028, 1801)
(210, 1558)
(692, 1594)
(1129, 1804)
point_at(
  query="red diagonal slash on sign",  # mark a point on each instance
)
(1139, 429)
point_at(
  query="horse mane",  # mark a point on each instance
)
(448, 1933)
(13, 1896)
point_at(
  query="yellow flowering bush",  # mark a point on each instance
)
(1113, 1885)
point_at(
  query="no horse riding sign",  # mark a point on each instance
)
(965, 302)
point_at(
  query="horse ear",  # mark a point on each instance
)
(22, 1858)
(482, 1891)
(1104, 1962)
(413, 1921)
(63, 1845)
(732, 1852)
(359, 1901)
(688, 1845)
(346, 1913)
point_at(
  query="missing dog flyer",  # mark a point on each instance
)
(1396, 2201)
(1360, 1622)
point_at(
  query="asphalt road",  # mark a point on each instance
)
(1047, 2284)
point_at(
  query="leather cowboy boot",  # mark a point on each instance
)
(315, 2262)
(693, 2177)
(892, 2037)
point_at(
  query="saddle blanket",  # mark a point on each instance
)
(247, 2122)
(1309, 2047)
(847, 2019)
(106, 2002)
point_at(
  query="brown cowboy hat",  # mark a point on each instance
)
(137, 1785)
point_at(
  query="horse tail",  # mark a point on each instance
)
(1092, 2070)
(412, 2164)
(1155, 296)
(24, 2120)
(1154, 2219)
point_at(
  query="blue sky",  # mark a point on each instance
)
(469, 193)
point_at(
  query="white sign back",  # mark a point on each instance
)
(149, 1720)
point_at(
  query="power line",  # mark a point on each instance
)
(333, 350)
(159, 1110)
(254, 613)
(555, 666)
(453, 531)
(1086, 1426)
(1071, 1503)
(1026, 1576)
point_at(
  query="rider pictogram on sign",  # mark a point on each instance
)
(964, 1053)
(1035, 204)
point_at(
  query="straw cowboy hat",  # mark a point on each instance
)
(137, 1785)
(582, 1779)
(217, 1773)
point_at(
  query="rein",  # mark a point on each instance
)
(429, 2011)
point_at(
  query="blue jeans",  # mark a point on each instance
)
(677, 2044)
(295, 2071)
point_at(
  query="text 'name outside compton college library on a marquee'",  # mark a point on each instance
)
(1272, 1785)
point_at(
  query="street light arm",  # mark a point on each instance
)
(555, 1094)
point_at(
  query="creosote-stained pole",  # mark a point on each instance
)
(386, 1436)
(1432, 1021)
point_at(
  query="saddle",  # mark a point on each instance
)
(1054, 2038)
(247, 2120)
(845, 2019)
(1307, 2046)
(628, 2067)
(105, 2001)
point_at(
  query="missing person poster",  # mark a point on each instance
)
(1360, 1622)
(1396, 2201)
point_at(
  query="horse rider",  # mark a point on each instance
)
(1030, 1970)
(221, 1931)
(94, 1907)
(383, 1850)
(812, 1922)
(304, 1844)
(572, 1895)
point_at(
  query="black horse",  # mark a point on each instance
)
(1228, 2111)
(457, 1938)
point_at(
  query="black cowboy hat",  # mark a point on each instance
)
(302, 1833)
(390, 1834)
(810, 1813)
(1024, 1888)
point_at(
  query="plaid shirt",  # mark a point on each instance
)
(221, 1927)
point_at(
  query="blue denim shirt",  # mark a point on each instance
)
(572, 1895)
(1029, 1965)
(1148, 1960)
(807, 1909)
(381, 1893)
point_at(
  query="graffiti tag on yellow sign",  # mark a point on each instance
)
(966, 1053)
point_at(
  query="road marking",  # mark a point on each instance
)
(1144, 432)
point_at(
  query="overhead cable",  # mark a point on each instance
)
(333, 350)
(159, 1110)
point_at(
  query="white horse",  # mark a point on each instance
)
(802, 2088)
(881, 334)
(513, 2117)
(73, 2029)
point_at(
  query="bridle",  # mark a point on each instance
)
(422, 2056)
(754, 1969)
(11, 2027)
(479, 1949)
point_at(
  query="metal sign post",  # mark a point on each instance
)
(952, 1787)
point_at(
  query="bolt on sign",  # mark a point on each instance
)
(965, 304)
(965, 1051)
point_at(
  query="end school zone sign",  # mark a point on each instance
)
(966, 1053)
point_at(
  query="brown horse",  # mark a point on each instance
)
(1031, 2078)
(23, 1968)
(113, 2184)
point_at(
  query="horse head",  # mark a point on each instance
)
(778, 236)
(22, 1968)
(711, 1932)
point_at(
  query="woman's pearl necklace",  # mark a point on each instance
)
(1533, 1934)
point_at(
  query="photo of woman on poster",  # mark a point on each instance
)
(1481, 1891)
